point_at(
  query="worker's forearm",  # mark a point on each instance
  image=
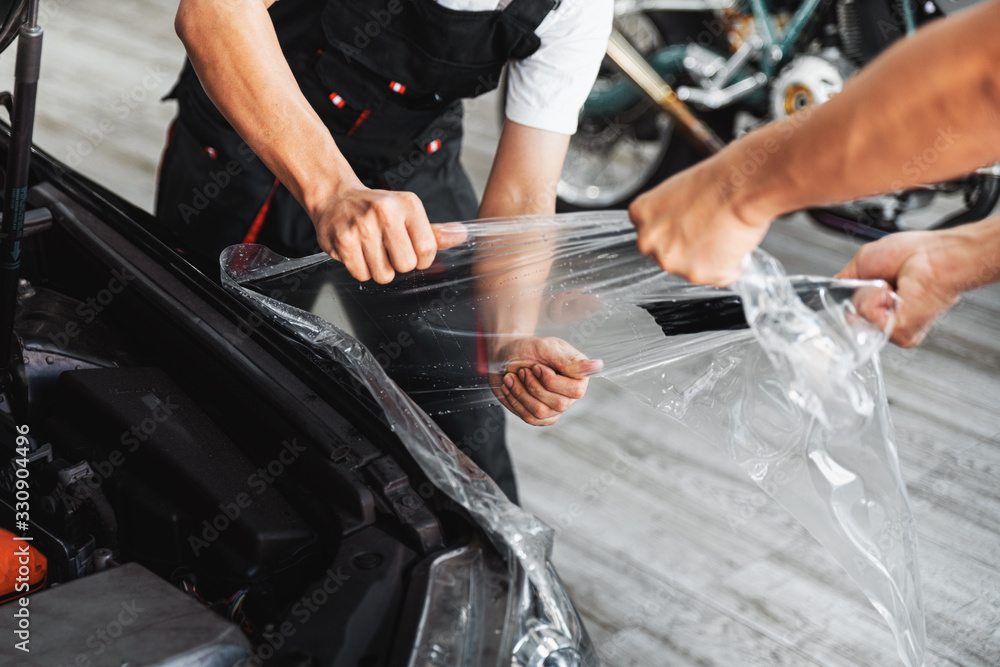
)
(512, 282)
(969, 255)
(511, 197)
(234, 50)
(510, 286)
(925, 111)
(525, 172)
(522, 182)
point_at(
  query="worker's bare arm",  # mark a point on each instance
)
(940, 88)
(541, 377)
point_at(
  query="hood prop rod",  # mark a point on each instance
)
(22, 121)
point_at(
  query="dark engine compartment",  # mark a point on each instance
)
(168, 430)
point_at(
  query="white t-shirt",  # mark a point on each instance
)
(547, 89)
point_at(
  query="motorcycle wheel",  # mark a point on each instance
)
(612, 159)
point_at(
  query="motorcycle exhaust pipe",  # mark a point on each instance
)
(29, 57)
(636, 68)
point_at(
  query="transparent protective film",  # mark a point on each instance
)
(781, 372)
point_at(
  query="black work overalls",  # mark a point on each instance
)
(387, 78)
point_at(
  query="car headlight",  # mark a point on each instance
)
(478, 610)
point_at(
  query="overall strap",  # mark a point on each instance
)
(530, 13)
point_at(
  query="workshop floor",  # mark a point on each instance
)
(675, 558)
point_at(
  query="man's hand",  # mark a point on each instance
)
(691, 229)
(920, 267)
(542, 377)
(378, 233)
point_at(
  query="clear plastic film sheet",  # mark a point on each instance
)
(781, 372)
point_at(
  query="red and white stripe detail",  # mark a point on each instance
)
(337, 100)
(434, 147)
(397, 87)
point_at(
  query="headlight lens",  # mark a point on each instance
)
(480, 611)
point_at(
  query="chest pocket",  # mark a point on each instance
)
(425, 53)
(342, 97)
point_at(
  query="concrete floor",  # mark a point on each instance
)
(677, 560)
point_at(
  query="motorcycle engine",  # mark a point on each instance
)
(808, 80)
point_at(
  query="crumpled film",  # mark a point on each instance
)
(781, 372)
(521, 536)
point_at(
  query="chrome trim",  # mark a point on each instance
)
(717, 99)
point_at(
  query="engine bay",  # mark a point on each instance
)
(164, 438)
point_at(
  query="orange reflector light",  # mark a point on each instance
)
(23, 568)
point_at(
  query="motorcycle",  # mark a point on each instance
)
(684, 77)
